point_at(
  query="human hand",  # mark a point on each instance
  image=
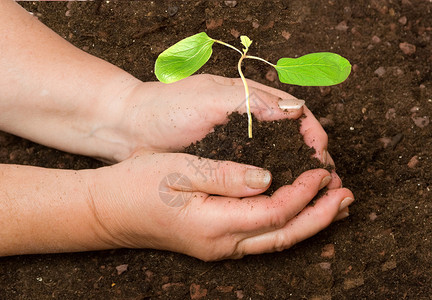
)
(160, 201)
(171, 116)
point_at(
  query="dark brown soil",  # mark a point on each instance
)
(379, 137)
(276, 146)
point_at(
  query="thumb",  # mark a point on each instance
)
(224, 177)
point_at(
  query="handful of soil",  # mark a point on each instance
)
(276, 146)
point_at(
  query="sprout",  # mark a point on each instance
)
(188, 55)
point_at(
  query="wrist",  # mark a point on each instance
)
(108, 131)
(114, 205)
(129, 118)
(98, 202)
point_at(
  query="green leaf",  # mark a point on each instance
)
(315, 69)
(184, 58)
(245, 41)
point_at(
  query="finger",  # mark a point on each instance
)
(222, 177)
(314, 135)
(341, 215)
(253, 215)
(266, 106)
(335, 182)
(309, 222)
(266, 103)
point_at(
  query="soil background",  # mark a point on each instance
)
(379, 136)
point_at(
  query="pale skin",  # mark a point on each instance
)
(59, 96)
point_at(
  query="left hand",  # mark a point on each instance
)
(167, 117)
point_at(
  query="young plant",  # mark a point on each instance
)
(190, 54)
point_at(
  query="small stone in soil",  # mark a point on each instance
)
(239, 294)
(214, 23)
(172, 10)
(235, 33)
(391, 142)
(403, 20)
(351, 283)
(325, 266)
(372, 216)
(197, 292)
(390, 114)
(413, 162)
(421, 122)
(328, 251)
(342, 26)
(414, 109)
(121, 269)
(286, 35)
(407, 48)
(376, 39)
(388, 265)
(380, 71)
(230, 3)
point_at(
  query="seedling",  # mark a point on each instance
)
(188, 55)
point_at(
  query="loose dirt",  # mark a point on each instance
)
(380, 137)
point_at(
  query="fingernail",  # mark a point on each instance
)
(290, 104)
(324, 157)
(257, 178)
(345, 203)
(341, 215)
(329, 159)
(325, 181)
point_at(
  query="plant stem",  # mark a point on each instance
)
(246, 87)
(228, 45)
(261, 59)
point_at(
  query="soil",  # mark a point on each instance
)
(276, 146)
(380, 137)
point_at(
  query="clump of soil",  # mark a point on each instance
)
(276, 146)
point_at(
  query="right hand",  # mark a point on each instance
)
(131, 204)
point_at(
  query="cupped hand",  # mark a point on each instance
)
(170, 202)
(168, 117)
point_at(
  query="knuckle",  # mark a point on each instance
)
(219, 252)
(277, 220)
(237, 251)
(225, 80)
(325, 215)
(207, 78)
(237, 255)
(222, 178)
(281, 241)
